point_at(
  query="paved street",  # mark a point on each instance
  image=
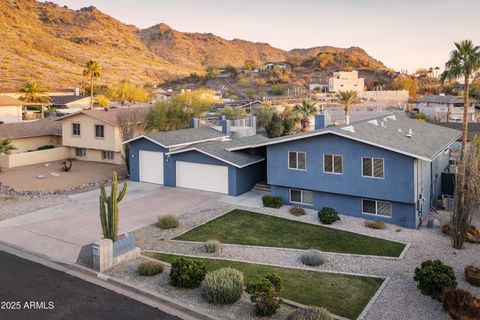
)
(72, 298)
(61, 231)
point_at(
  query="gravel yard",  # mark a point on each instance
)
(13, 206)
(399, 300)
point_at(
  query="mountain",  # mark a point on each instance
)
(51, 43)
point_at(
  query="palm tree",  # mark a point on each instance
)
(348, 98)
(6, 147)
(306, 109)
(92, 70)
(464, 62)
(436, 71)
(33, 92)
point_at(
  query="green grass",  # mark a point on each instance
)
(344, 295)
(250, 228)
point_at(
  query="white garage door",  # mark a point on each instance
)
(202, 176)
(151, 166)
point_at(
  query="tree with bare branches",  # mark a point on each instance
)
(131, 123)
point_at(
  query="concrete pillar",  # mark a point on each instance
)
(102, 255)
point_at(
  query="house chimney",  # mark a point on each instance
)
(322, 120)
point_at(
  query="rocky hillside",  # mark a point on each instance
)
(51, 43)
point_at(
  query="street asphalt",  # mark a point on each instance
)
(31, 291)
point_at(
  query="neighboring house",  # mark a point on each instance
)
(444, 108)
(31, 135)
(74, 103)
(346, 81)
(15, 93)
(11, 110)
(387, 168)
(270, 66)
(94, 135)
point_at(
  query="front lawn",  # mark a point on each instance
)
(250, 228)
(344, 295)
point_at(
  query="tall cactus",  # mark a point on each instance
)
(109, 208)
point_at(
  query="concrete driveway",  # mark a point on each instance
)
(61, 231)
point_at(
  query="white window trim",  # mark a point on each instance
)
(297, 152)
(373, 169)
(301, 195)
(333, 163)
(376, 208)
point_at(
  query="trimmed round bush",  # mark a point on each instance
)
(272, 201)
(433, 276)
(312, 258)
(150, 268)
(312, 313)
(472, 275)
(187, 273)
(212, 246)
(168, 221)
(297, 211)
(223, 286)
(328, 215)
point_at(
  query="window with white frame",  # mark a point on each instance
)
(381, 208)
(80, 152)
(99, 131)
(301, 196)
(373, 167)
(332, 163)
(107, 155)
(297, 160)
(76, 129)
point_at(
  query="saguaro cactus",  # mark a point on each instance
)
(109, 208)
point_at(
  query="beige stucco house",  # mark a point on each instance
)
(346, 81)
(10, 110)
(94, 135)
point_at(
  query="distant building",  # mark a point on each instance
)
(15, 93)
(444, 108)
(70, 102)
(346, 81)
(11, 109)
(270, 66)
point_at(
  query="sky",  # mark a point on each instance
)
(403, 34)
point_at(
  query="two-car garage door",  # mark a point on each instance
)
(202, 176)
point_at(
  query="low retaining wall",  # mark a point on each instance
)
(34, 157)
(107, 254)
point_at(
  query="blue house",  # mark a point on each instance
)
(387, 168)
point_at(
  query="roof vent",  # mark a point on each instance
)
(374, 122)
(390, 117)
(399, 130)
(382, 124)
(348, 128)
(410, 133)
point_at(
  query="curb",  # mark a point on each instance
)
(148, 297)
(373, 299)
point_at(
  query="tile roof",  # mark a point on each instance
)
(63, 100)
(45, 127)
(183, 136)
(219, 150)
(388, 132)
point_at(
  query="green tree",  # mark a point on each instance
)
(249, 65)
(464, 63)
(277, 90)
(126, 91)
(232, 70)
(176, 113)
(6, 147)
(230, 112)
(34, 92)
(306, 110)
(348, 98)
(212, 72)
(275, 123)
(92, 71)
(405, 82)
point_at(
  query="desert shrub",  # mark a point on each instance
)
(187, 273)
(328, 215)
(277, 90)
(168, 221)
(150, 268)
(375, 224)
(473, 233)
(223, 286)
(212, 246)
(46, 147)
(461, 304)
(312, 258)
(297, 211)
(472, 275)
(312, 313)
(266, 294)
(272, 201)
(420, 116)
(432, 276)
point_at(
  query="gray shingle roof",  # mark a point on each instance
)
(425, 143)
(443, 99)
(63, 100)
(219, 150)
(27, 129)
(183, 136)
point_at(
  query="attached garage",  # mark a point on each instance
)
(150, 166)
(201, 176)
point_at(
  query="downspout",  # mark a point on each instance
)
(432, 205)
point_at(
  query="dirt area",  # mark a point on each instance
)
(82, 174)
